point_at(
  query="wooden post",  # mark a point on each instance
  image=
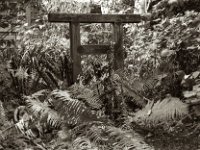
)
(28, 14)
(74, 44)
(118, 47)
(77, 49)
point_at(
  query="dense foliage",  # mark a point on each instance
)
(157, 91)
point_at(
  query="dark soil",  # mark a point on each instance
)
(174, 142)
(184, 138)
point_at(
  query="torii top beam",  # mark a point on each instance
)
(95, 18)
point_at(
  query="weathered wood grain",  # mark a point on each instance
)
(118, 47)
(28, 14)
(93, 49)
(94, 18)
(74, 44)
(77, 49)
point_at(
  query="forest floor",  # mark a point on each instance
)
(187, 138)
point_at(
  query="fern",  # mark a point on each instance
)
(2, 114)
(163, 111)
(88, 96)
(96, 132)
(73, 110)
(37, 116)
(23, 127)
(33, 79)
(129, 87)
(127, 139)
(72, 105)
(37, 94)
(43, 112)
(82, 143)
(21, 73)
(87, 131)
(57, 108)
(129, 90)
(103, 135)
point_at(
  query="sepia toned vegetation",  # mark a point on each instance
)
(152, 103)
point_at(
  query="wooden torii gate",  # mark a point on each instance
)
(77, 49)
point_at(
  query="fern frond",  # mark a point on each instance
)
(71, 109)
(72, 104)
(62, 95)
(42, 73)
(88, 96)
(38, 93)
(127, 139)
(51, 66)
(96, 133)
(130, 88)
(2, 114)
(42, 112)
(22, 126)
(33, 78)
(53, 78)
(21, 73)
(149, 84)
(166, 110)
(82, 143)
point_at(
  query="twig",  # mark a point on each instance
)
(8, 128)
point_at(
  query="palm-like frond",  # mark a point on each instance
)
(162, 111)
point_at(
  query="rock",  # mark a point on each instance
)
(189, 94)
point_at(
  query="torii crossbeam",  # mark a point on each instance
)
(77, 49)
